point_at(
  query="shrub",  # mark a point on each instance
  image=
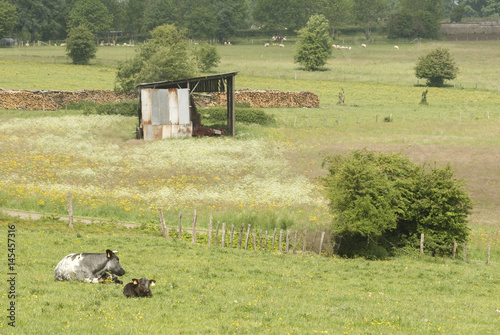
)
(206, 57)
(125, 108)
(80, 45)
(436, 66)
(388, 201)
(244, 115)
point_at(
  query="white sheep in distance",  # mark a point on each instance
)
(396, 47)
(363, 45)
(282, 45)
(266, 45)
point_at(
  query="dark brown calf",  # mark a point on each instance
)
(139, 288)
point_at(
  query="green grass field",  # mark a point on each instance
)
(265, 176)
(210, 290)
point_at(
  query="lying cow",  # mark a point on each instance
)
(139, 288)
(87, 267)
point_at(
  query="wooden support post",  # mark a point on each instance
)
(455, 245)
(287, 241)
(265, 243)
(241, 235)
(210, 231)
(281, 240)
(321, 243)
(70, 210)
(223, 242)
(248, 236)
(295, 241)
(260, 240)
(193, 231)
(231, 237)
(304, 239)
(217, 232)
(180, 225)
(162, 222)
(422, 243)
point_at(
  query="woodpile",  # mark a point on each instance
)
(53, 100)
(269, 98)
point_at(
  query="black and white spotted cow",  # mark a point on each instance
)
(93, 268)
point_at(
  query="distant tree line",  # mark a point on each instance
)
(220, 20)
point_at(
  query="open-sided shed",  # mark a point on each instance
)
(165, 107)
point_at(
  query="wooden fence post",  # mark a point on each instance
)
(287, 240)
(455, 245)
(248, 236)
(260, 240)
(265, 243)
(304, 239)
(162, 222)
(193, 236)
(180, 225)
(231, 237)
(422, 243)
(217, 233)
(281, 240)
(223, 242)
(241, 235)
(321, 243)
(70, 210)
(210, 231)
(295, 241)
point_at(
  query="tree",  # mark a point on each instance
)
(416, 19)
(314, 44)
(337, 12)
(164, 57)
(91, 14)
(367, 14)
(206, 57)
(457, 13)
(80, 45)
(280, 16)
(382, 201)
(160, 12)
(8, 17)
(35, 15)
(436, 66)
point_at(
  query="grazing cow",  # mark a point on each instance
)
(87, 267)
(139, 288)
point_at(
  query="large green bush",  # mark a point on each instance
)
(388, 201)
(80, 45)
(436, 66)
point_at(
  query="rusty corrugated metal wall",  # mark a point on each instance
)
(165, 113)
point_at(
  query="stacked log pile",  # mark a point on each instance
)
(53, 100)
(269, 98)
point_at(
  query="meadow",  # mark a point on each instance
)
(265, 176)
(211, 290)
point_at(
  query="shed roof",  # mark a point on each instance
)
(212, 83)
